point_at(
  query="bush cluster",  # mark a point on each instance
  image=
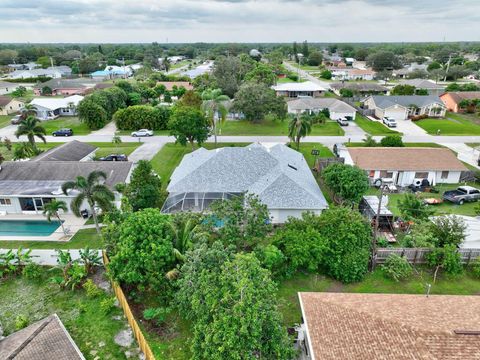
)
(142, 116)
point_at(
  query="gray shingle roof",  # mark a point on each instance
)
(279, 175)
(65, 84)
(422, 84)
(46, 339)
(332, 104)
(384, 102)
(359, 86)
(45, 177)
(69, 151)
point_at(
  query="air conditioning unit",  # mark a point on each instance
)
(417, 182)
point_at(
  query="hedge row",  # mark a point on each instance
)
(142, 117)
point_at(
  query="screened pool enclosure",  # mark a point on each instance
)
(194, 201)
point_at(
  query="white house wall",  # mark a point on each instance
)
(339, 115)
(406, 178)
(280, 216)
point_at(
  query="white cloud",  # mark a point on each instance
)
(238, 21)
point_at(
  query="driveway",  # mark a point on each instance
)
(304, 74)
(353, 130)
(407, 127)
(147, 151)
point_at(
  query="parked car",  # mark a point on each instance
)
(16, 120)
(114, 157)
(63, 132)
(342, 122)
(142, 132)
(462, 195)
(389, 122)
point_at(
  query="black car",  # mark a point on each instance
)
(114, 157)
(63, 132)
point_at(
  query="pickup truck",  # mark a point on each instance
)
(462, 195)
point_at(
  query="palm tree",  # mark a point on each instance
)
(28, 110)
(52, 209)
(31, 128)
(24, 150)
(90, 258)
(213, 105)
(116, 140)
(300, 126)
(92, 191)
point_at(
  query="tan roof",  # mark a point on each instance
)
(5, 100)
(405, 159)
(390, 326)
(170, 84)
(46, 339)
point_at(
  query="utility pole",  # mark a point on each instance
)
(448, 66)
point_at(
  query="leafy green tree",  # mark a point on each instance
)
(446, 258)
(255, 101)
(188, 125)
(144, 252)
(213, 105)
(347, 93)
(262, 73)
(349, 183)
(403, 90)
(397, 268)
(31, 128)
(392, 141)
(383, 60)
(229, 72)
(315, 58)
(53, 208)
(190, 99)
(299, 127)
(142, 117)
(413, 208)
(46, 90)
(92, 191)
(448, 230)
(92, 114)
(20, 91)
(326, 74)
(145, 187)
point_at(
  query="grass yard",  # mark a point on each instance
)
(71, 122)
(5, 120)
(86, 323)
(374, 127)
(453, 124)
(244, 127)
(288, 80)
(82, 239)
(373, 283)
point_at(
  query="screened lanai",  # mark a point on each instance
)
(194, 201)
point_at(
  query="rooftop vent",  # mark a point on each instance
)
(292, 167)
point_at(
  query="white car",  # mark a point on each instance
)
(389, 122)
(142, 132)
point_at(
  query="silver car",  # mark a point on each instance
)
(389, 122)
(142, 132)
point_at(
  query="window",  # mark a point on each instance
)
(386, 174)
(444, 175)
(421, 175)
(5, 202)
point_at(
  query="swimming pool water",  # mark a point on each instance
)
(27, 227)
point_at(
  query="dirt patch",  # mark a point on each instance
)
(100, 279)
(336, 287)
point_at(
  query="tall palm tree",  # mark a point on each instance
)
(28, 110)
(91, 190)
(52, 209)
(213, 105)
(300, 126)
(31, 128)
(117, 140)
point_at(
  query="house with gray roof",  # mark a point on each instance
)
(361, 88)
(46, 339)
(65, 87)
(26, 186)
(70, 151)
(278, 175)
(403, 107)
(431, 87)
(338, 109)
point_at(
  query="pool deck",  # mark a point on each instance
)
(71, 223)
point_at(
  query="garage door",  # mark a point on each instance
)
(338, 115)
(396, 113)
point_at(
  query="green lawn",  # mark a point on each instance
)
(82, 239)
(453, 124)
(244, 127)
(71, 122)
(87, 325)
(373, 283)
(374, 127)
(288, 80)
(5, 120)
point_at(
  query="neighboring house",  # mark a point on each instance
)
(51, 108)
(9, 105)
(204, 68)
(404, 72)
(26, 74)
(432, 88)
(298, 89)
(362, 88)
(344, 73)
(404, 106)
(170, 84)
(65, 87)
(389, 326)
(452, 100)
(103, 85)
(27, 66)
(26, 186)
(338, 109)
(46, 339)
(8, 87)
(69, 151)
(112, 72)
(405, 166)
(278, 175)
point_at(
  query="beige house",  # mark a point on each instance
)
(405, 106)
(10, 105)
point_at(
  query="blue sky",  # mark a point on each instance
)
(238, 20)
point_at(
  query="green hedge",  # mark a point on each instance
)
(142, 116)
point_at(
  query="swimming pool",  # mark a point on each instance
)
(27, 227)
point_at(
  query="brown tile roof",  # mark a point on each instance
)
(390, 326)
(46, 339)
(5, 100)
(458, 96)
(405, 159)
(170, 84)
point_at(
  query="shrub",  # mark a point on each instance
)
(271, 258)
(91, 289)
(142, 116)
(419, 117)
(346, 93)
(476, 267)
(326, 74)
(107, 305)
(32, 271)
(159, 315)
(21, 322)
(397, 268)
(446, 258)
(392, 141)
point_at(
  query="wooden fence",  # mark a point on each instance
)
(142, 343)
(417, 255)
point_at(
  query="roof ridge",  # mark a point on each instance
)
(29, 339)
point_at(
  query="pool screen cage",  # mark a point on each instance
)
(194, 201)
